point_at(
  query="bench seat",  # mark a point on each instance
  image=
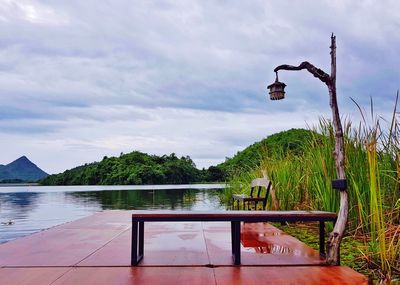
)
(235, 217)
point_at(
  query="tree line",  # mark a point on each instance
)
(137, 168)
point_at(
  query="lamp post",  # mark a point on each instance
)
(276, 93)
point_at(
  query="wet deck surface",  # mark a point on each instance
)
(96, 250)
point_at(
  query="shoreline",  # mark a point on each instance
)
(89, 188)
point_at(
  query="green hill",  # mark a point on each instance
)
(132, 168)
(280, 143)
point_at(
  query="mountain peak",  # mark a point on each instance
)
(23, 158)
(22, 169)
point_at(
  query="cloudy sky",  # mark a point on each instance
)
(83, 79)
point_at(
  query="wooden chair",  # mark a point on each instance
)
(257, 185)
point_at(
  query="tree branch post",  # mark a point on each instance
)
(335, 237)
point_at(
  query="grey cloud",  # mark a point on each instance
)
(76, 68)
(26, 128)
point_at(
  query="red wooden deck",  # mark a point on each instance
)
(96, 250)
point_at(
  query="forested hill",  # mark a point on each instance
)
(292, 141)
(135, 168)
(141, 168)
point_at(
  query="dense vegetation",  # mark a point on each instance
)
(302, 180)
(135, 168)
(291, 141)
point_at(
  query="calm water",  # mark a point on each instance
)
(34, 208)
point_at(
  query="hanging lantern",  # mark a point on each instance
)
(277, 89)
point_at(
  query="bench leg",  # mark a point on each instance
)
(137, 243)
(322, 238)
(232, 237)
(235, 234)
(141, 239)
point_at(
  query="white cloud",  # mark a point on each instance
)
(32, 12)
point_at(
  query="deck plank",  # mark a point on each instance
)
(261, 244)
(138, 275)
(311, 275)
(96, 250)
(31, 276)
(55, 247)
(112, 219)
(165, 244)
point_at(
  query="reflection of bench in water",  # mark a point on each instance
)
(235, 217)
(260, 185)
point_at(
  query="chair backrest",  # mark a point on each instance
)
(261, 183)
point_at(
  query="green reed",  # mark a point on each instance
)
(303, 181)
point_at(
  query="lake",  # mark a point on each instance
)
(34, 208)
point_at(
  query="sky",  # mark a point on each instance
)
(80, 80)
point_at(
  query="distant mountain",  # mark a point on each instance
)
(21, 169)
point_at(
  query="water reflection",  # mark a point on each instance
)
(32, 212)
(179, 199)
(274, 249)
(266, 239)
(20, 204)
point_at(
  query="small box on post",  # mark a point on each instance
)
(339, 184)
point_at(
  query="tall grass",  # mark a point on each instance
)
(373, 173)
(288, 177)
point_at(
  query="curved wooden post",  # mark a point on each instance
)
(335, 237)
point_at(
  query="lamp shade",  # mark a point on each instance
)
(277, 90)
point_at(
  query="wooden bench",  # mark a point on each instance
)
(261, 185)
(235, 217)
